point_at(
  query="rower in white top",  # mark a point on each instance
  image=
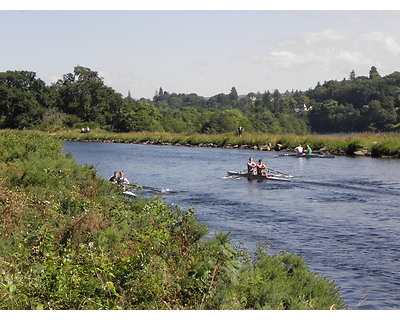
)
(299, 150)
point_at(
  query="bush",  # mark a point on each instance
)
(353, 146)
(284, 282)
(388, 147)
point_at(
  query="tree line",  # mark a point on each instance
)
(81, 98)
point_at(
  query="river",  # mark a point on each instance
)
(342, 214)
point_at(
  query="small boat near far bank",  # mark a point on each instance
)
(245, 174)
(329, 156)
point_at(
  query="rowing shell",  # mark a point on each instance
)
(256, 176)
(306, 155)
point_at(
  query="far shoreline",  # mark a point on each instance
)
(381, 145)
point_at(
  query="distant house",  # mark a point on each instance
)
(302, 108)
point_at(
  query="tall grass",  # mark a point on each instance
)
(383, 144)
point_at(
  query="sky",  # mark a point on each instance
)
(205, 50)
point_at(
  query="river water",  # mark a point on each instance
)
(342, 215)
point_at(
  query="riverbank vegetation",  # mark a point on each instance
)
(376, 145)
(81, 99)
(71, 240)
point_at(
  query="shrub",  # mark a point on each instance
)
(353, 146)
(389, 147)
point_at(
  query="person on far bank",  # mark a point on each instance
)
(308, 150)
(261, 167)
(299, 150)
(240, 131)
(251, 166)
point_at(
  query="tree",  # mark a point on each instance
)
(234, 95)
(276, 106)
(84, 94)
(289, 123)
(129, 97)
(262, 119)
(267, 100)
(138, 116)
(379, 117)
(226, 121)
(373, 73)
(219, 101)
(319, 117)
(23, 99)
(352, 75)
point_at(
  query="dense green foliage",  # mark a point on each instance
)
(23, 99)
(357, 104)
(70, 240)
(82, 99)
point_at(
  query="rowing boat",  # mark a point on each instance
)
(306, 155)
(257, 176)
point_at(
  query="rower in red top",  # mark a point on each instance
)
(260, 167)
(251, 166)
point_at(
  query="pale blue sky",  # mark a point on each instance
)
(203, 52)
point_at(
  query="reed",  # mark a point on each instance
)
(381, 144)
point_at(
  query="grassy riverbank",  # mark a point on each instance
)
(71, 240)
(376, 145)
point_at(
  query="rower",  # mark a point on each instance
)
(251, 166)
(121, 179)
(114, 177)
(261, 167)
(308, 150)
(299, 150)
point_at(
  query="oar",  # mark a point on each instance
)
(161, 190)
(133, 185)
(278, 172)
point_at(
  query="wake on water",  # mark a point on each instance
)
(341, 185)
